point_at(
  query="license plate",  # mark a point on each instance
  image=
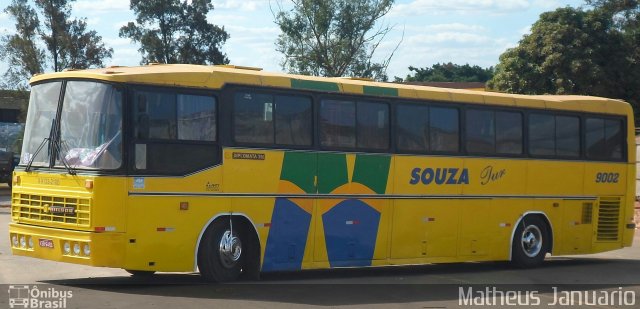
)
(46, 243)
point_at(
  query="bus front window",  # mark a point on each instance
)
(90, 126)
(43, 104)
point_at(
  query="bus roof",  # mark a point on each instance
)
(215, 77)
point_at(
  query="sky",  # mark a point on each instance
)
(427, 31)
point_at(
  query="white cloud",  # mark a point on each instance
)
(7, 30)
(449, 37)
(117, 42)
(525, 30)
(221, 19)
(93, 20)
(242, 5)
(425, 7)
(116, 26)
(125, 56)
(457, 27)
(4, 16)
(93, 7)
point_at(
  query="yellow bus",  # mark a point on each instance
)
(232, 171)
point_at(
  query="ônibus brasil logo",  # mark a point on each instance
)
(25, 296)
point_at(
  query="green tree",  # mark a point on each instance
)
(333, 37)
(23, 57)
(573, 51)
(449, 72)
(170, 31)
(68, 41)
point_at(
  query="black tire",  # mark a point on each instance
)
(216, 266)
(140, 273)
(531, 242)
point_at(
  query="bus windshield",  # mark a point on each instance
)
(90, 125)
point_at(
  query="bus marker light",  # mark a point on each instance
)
(165, 229)
(429, 219)
(88, 184)
(505, 224)
(184, 205)
(104, 229)
(353, 222)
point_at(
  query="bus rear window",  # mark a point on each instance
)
(604, 139)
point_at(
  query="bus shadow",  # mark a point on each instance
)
(382, 285)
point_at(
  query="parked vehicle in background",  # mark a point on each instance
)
(7, 163)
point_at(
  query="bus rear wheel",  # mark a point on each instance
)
(530, 242)
(221, 255)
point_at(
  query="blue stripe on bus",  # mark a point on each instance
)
(350, 231)
(287, 237)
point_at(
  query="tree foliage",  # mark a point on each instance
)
(333, 37)
(170, 31)
(68, 42)
(449, 72)
(23, 56)
(577, 51)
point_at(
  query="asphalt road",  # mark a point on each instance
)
(428, 286)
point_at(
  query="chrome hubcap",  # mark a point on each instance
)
(531, 241)
(230, 249)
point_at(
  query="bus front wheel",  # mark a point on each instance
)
(221, 254)
(530, 242)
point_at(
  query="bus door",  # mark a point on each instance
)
(352, 221)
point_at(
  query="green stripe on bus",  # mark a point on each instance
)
(314, 85)
(391, 92)
(332, 171)
(372, 171)
(300, 169)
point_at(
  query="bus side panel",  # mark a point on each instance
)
(162, 237)
(427, 228)
(163, 231)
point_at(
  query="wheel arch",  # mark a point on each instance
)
(221, 216)
(540, 214)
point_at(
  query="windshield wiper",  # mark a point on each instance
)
(63, 159)
(33, 157)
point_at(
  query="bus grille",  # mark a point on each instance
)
(608, 219)
(56, 210)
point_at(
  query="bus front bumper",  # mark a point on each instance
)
(77, 247)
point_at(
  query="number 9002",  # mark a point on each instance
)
(607, 177)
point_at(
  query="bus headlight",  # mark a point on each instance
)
(76, 249)
(14, 240)
(67, 247)
(86, 249)
(30, 242)
(23, 242)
